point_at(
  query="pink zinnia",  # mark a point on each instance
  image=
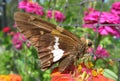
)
(22, 4)
(115, 9)
(17, 40)
(91, 20)
(34, 8)
(101, 52)
(49, 14)
(57, 15)
(89, 10)
(31, 7)
(105, 30)
(39, 9)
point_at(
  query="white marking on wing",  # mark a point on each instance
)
(57, 52)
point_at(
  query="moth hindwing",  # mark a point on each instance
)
(53, 43)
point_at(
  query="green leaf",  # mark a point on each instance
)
(110, 74)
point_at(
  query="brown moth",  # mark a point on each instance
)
(53, 43)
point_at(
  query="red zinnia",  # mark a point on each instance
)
(58, 76)
(63, 77)
(101, 78)
(6, 29)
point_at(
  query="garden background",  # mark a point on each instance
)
(97, 20)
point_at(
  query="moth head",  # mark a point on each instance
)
(85, 44)
(89, 43)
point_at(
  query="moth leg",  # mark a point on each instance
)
(69, 60)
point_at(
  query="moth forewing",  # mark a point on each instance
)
(54, 44)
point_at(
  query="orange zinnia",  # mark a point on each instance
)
(15, 77)
(62, 77)
(4, 78)
(100, 77)
(58, 76)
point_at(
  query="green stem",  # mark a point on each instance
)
(97, 41)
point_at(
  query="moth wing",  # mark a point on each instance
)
(46, 47)
(42, 35)
(42, 24)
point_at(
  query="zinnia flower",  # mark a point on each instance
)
(59, 76)
(89, 10)
(81, 73)
(22, 4)
(91, 20)
(10, 77)
(28, 44)
(115, 9)
(101, 52)
(100, 77)
(62, 77)
(49, 14)
(15, 77)
(31, 7)
(57, 15)
(18, 39)
(6, 29)
(4, 78)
